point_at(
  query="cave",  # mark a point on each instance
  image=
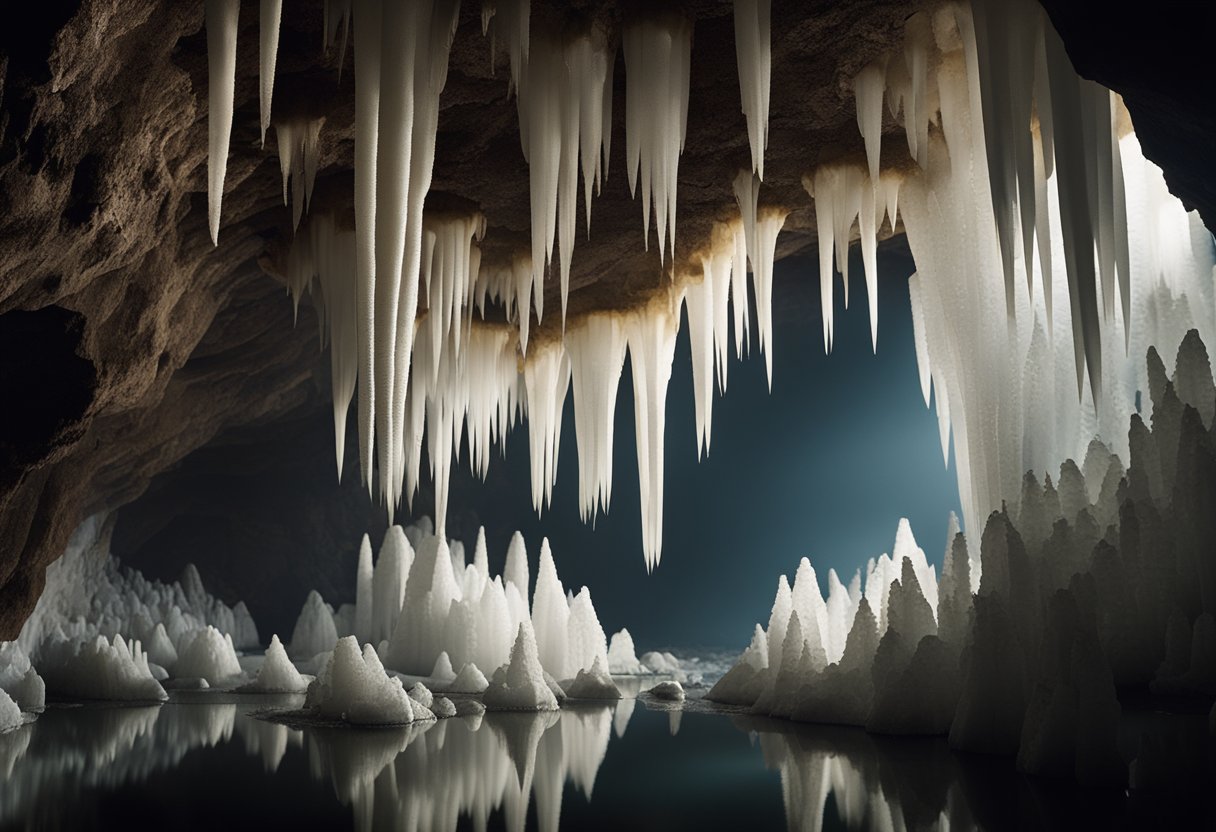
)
(349, 349)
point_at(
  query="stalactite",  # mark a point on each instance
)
(221, 16)
(268, 49)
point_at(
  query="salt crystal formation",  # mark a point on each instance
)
(622, 655)
(593, 684)
(208, 654)
(520, 685)
(354, 688)
(314, 631)
(102, 631)
(438, 612)
(277, 674)
(97, 669)
(10, 713)
(1101, 578)
(18, 678)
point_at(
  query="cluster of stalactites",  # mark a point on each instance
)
(846, 194)
(335, 29)
(322, 260)
(510, 19)
(401, 61)
(997, 169)
(565, 119)
(298, 141)
(510, 284)
(760, 229)
(657, 56)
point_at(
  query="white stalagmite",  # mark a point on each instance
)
(354, 688)
(269, 13)
(754, 57)
(277, 674)
(389, 581)
(652, 345)
(314, 631)
(221, 17)
(657, 56)
(586, 644)
(551, 617)
(364, 592)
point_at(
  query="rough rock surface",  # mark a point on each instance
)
(127, 341)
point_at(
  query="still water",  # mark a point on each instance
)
(210, 764)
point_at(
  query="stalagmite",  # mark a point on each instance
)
(753, 54)
(657, 55)
(268, 49)
(364, 598)
(221, 16)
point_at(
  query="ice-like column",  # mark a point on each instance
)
(754, 57)
(298, 143)
(760, 229)
(269, 13)
(652, 345)
(367, 119)
(657, 56)
(221, 17)
(336, 15)
(546, 381)
(699, 304)
(868, 89)
(596, 350)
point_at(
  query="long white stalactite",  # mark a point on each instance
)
(754, 58)
(221, 17)
(269, 14)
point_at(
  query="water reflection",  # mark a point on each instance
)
(514, 771)
(421, 777)
(838, 777)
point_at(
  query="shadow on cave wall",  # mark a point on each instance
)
(45, 385)
(261, 514)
